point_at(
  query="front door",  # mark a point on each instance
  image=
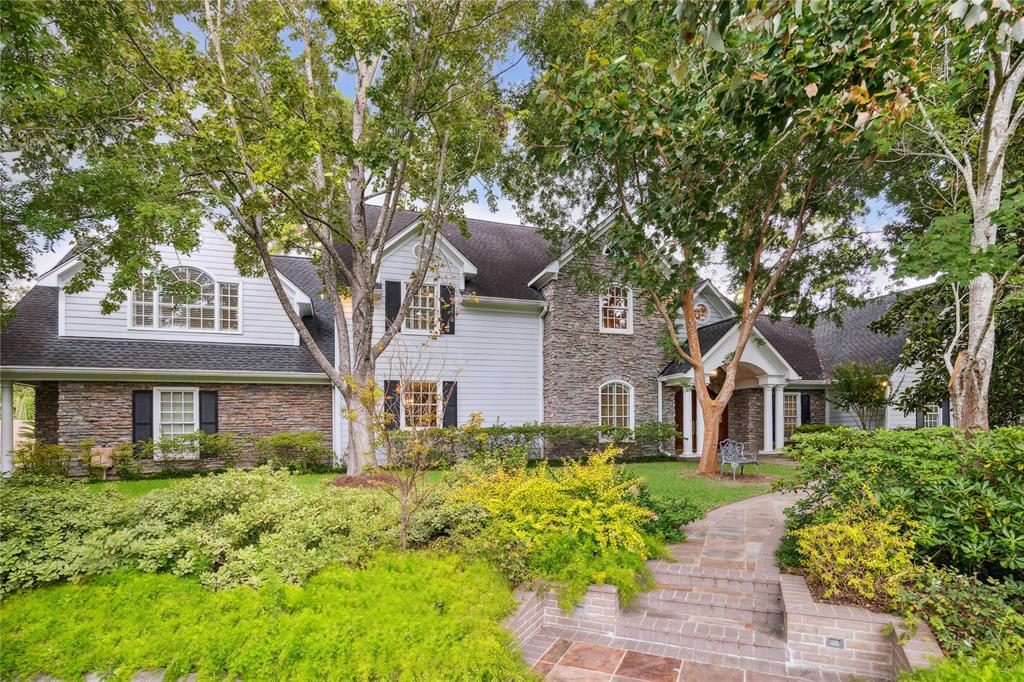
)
(723, 425)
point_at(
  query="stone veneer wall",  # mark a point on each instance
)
(46, 412)
(746, 415)
(578, 357)
(102, 411)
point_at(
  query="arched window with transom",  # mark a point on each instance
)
(616, 405)
(215, 309)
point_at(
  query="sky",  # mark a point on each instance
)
(514, 70)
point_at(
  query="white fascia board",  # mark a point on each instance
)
(29, 373)
(59, 276)
(303, 303)
(468, 268)
(727, 306)
(793, 375)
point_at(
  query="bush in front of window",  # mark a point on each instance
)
(296, 451)
(43, 460)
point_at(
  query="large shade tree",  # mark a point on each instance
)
(718, 136)
(146, 118)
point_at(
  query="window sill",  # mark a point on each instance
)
(621, 332)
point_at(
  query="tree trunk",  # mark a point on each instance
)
(360, 437)
(712, 414)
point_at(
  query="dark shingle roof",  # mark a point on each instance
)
(814, 353)
(506, 256)
(853, 341)
(31, 339)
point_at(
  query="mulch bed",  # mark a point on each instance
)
(376, 481)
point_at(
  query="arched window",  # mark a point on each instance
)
(700, 312)
(617, 310)
(616, 405)
(217, 306)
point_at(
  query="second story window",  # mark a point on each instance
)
(216, 308)
(617, 310)
(423, 310)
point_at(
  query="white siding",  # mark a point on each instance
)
(901, 380)
(494, 354)
(895, 418)
(263, 320)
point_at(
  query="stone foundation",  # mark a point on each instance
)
(102, 412)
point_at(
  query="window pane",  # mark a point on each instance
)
(933, 416)
(197, 314)
(614, 408)
(229, 307)
(177, 413)
(142, 315)
(422, 315)
(420, 404)
(790, 413)
(615, 308)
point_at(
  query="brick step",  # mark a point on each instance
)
(701, 654)
(702, 633)
(677, 575)
(757, 607)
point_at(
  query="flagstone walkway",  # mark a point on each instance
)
(715, 615)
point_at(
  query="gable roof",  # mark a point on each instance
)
(814, 353)
(506, 255)
(31, 339)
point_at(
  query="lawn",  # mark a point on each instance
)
(417, 615)
(671, 479)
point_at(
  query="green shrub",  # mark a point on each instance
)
(298, 451)
(814, 428)
(962, 498)
(43, 526)
(240, 527)
(43, 459)
(410, 616)
(856, 556)
(971, 618)
(575, 526)
(958, 670)
(668, 514)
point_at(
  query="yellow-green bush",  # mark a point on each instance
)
(856, 554)
(576, 525)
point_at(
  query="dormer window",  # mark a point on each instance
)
(216, 309)
(616, 314)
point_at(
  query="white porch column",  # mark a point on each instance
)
(660, 411)
(687, 398)
(780, 428)
(767, 418)
(6, 427)
(699, 443)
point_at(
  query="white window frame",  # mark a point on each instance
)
(157, 391)
(436, 328)
(629, 312)
(707, 313)
(216, 309)
(934, 410)
(632, 406)
(401, 403)
(799, 415)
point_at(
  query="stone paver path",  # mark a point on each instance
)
(716, 614)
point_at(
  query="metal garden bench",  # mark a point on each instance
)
(731, 453)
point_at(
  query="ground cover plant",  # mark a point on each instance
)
(927, 523)
(413, 615)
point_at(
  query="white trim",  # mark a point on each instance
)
(468, 268)
(629, 311)
(30, 373)
(157, 390)
(61, 311)
(632, 397)
(552, 269)
(540, 367)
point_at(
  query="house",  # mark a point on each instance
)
(495, 330)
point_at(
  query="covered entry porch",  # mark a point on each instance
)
(760, 411)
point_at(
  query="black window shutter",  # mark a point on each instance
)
(392, 405)
(392, 301)
(208, 411)
(919, 417)
(447, 309)
(142, 415)
(945, 411)
(450, 396)
(805, 408)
